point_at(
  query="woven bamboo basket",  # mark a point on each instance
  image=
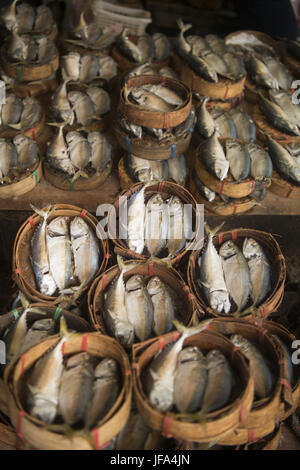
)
(227, 105)
(166, 189)
(263, 127)
(224, 89)
(219, 207)
(62, 181)
(217, 423)
(65, 46)
(33, 431)
(21, 265)
(135, 114)
(28, 72)
(34, 89)
(229, 187)
(278, 267)
(125, 65)
(284, 188)
(262, 37)
(34, 132)
(290, 391)
(168, 275)
(150, 148)
(73, 322)
(26, 183)
(264, 412)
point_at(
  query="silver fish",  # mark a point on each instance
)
(287, 358)
(176, 228)
(278, 70)
(31, 114)
(183, 44)
(214, 157)
(80, 152)
(27, 151)
(202, 67)
(40, 330)
(70, 66)
(57, 153)
(143, 69)
(89, 33)
(89, 68)
(9, 158)
(283, 161)
(46, 49)
(235, 65)
(101, 100)
(224, 124)
(204, 190)
(14, 337)
(219, 382)
(191, 369)
(277, 117)
(163, 306)
(244, 125)
(18, 47)
(139, 307)
(162, 46)
(178, 169)
(85, 250)
(164, 93)
(217, 63)
(205, 122)
(187, 125)
(147, 170)
(11, 110)
(261, 163)
(216, 43)
(108, 67)
(285, 101)
(263, 379)
(260, 269)
(134, 434)
(129, 49)
(76, 388)
(130, 128)
(236, 274)
(43, 19)
(260, 73)
(239, 159)
(168, 72)
(9, 16)
(60, 105)
(59, 251)
(150, 101)
(83, 107)
(146, 47)
(136, 219)
(211, 277)
(155, 225)
(100, 151)
(25, 18)
(198, 43)
(106, 389)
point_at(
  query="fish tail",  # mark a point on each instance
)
(212, 232)
(183, 27)
(5, 179)
(189, 331)
(124, 267)
(63, 328)
(82, 22)
(78, 174)
(24, 301)
(16, 126)
(41, 213)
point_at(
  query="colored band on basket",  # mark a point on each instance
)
(107, 256)
(14, 274)
(166, 426)
(52, 67)
(220, 239)
(84, 342)
(83, 214)
(226, 92)
(135, 366)
(34, 174)
(286, 384)
(150, 270)
(193, 262)
(173, 148)
(15, 313)
(63, 348)
(175, 335)
(104, 282)
(19, 73)
(250, 435)
(160, 344)
(57, 313)
(95, 433)
(291, 189)
(32, 131)
(128, 372)
(160, 187)
(165, 124)
(242, 415)
(71, 184)
(234, 350)
(31, 222)
(222, 187)
(21, 415)
(234, 235)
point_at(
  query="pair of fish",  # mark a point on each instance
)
(145, 171)
(20, 154)
(268, 72)
(80, 107)
(64, 252)
(233, 124)
(157, 225)
(73, 152)
(209, 56)
(20, 114)
(152, 97)
(281, 112)
(87, 67)
(147, 48)
(24, 18)
(147, 69)
(31, 49)
(232, 273)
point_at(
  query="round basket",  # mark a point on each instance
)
(134, 113)
(125, 65)
(150, 148)
(33, 431)
(34, 89)
(168, 275)
(34, 132)
(217, 423)
(284, 188)
(264, 412)
(21, 265)
(30, 72)
(26, 183)
(263, 127)
(63, 181)
(228, 187)
(224, 89)
(166, 189)
(219, 207)
(275, 257)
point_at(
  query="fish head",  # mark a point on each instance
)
(228, 249)
(125, 333)
(134, 282)
(78, 227)
(154, 286)
(191, 353)
(73, 138)
(44, 410)
(106, 368)
(47, 285)
(250, 248)
(215, 358)
(239, 341)
(58, 226)
(77, 359)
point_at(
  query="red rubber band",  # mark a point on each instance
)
(235, 207)
(166, 426)
(160, 186)
(21, 415)
(193, 262)
(222, 187)
(150, 270)
(160, 344)
(286, 384)
(83, 214)
(31, 222)
(95, 433)
(135, 366)
(84, 342)
(291, 189)
(104, 281)
(165, 124)
(242, 415)
(175, 335)
(226, 92)
(220, 239)
(251, 435)
(234, 235)
(128, 372)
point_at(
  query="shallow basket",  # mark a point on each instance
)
(34, 89)
(26, 183)
(278, 272)
(217, 423)
(163, 120)
(33, 431)
(224, 89)
(229, 187)
(264, 127)
(34, 132)
(264, 412)
(284, 188)
(219, 207)
(166, 189)
(150, 148)
(21, 265)
(168, 275)
(63, 181)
